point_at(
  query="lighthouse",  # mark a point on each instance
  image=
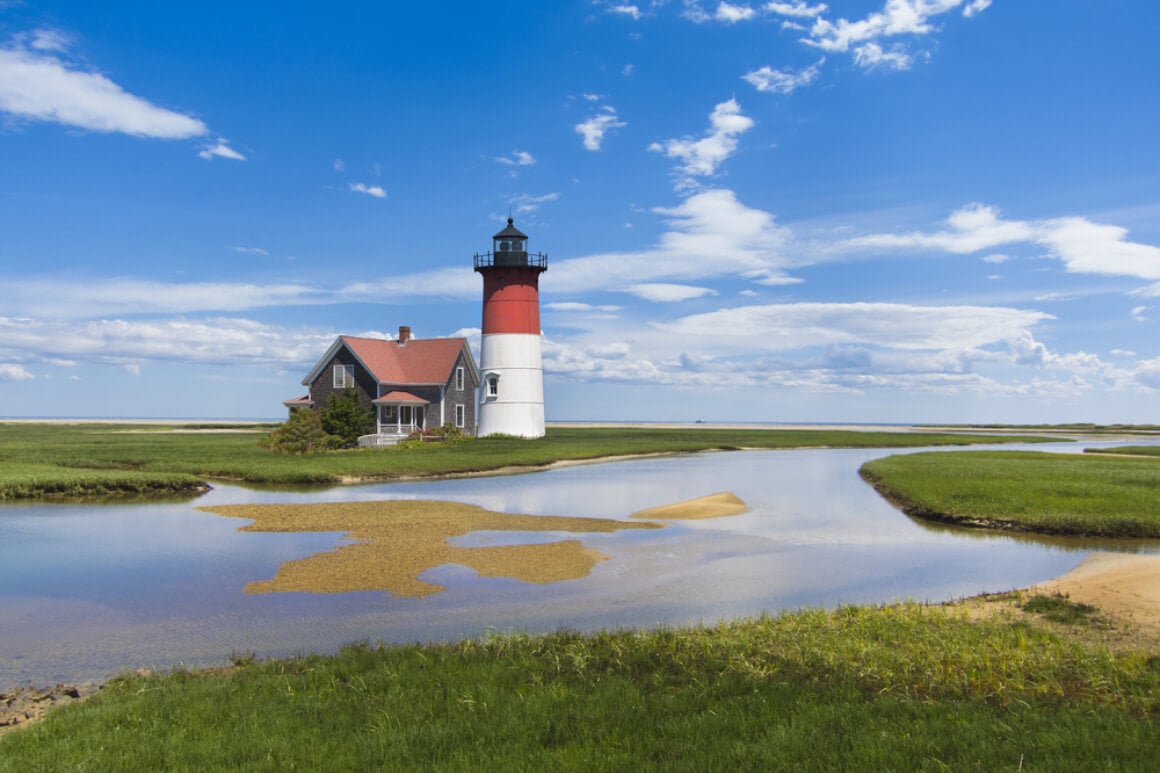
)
(511, 400)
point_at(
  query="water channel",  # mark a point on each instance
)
(87, 591)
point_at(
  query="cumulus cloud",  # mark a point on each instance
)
(595, 128)
(797, 9)
(731, 14)
(709, 234)
(14, 372)
(975, 7)
(701, 158)
(785, 80)
(1082, 246)
(631, 11)
(370, 190)
(37, 83)
(872, 55)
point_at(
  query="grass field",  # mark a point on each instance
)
(1127, 450)
(42, 459)
(893, 688)
(1093, 495)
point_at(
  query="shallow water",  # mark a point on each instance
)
(90, 590)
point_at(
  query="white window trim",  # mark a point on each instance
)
(459, 379)
(492, 383)
(343, 376)
(460, 415)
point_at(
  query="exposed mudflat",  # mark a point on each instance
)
(718, 505)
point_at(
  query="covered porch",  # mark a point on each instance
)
(397, 415)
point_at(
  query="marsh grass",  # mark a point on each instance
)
(1060, 609)
(1022, 490)
(1128, 450)
(61, 452)
(897, 687)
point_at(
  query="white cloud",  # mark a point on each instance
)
(1084, 247)
(660, 292)
(709, 234)
(370, 190)
(996, 257)
(578, 306)
(35, 84)
(897, 17)
(594, 129)
(338, 165)
(796, 9)
(1138, 313)
(872, 55)
(627, 70)
(517, 158)
(251, 251)
(976, 7)
(784, 327)
(526, 203)
(127, 343)
(702, 157)
(784, 81)
(221, 150)
(731, 14)
(626, 10)
(12, 372)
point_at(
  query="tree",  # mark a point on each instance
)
(300, 434)
(345, 417)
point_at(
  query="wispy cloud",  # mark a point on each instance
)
(251, 250)
(595, 128)
(798, 9)
(731, 14)
(702, 157)
(785, 80)
(221, 150)
(37, 84)
(370, 190)
(623, 9)
(517, 158)
(661, 292)
(526, 203)
(1084, 247)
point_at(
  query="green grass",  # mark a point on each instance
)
(893, 688)
(1128, 450)
(60, 451)
(1059, 609)
(1029, 491)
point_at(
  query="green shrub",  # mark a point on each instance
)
(345, 417)
(300, 434)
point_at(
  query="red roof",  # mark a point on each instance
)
(419, 361)
(399, 397)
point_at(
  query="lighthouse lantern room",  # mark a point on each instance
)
(512, 396)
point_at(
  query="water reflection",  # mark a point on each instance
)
(87, 590)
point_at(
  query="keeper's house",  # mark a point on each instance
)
(410, 383)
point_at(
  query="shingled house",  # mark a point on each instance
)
(410, 383)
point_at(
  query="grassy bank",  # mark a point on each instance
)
(1026, 491)
(99, 449)
(1127, 450)
(904, 687)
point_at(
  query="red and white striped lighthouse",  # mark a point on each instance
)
(512, 397)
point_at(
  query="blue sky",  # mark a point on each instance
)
(861, 210)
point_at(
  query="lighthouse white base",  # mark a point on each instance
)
(511, 400)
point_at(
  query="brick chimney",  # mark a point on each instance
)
(404, 334)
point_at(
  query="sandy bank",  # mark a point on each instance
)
(1126, 586)
(718, 505)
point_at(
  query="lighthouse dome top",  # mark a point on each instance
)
(511, 232)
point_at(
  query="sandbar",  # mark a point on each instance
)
(719, 505)
(397, 540)
(1124, 585)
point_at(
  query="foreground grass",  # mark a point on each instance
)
(73, 452)
(900, 687)
(1028, 491)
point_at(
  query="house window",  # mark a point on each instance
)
(493, 386)
(459, 415)
(343, 376)
(459, 379)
